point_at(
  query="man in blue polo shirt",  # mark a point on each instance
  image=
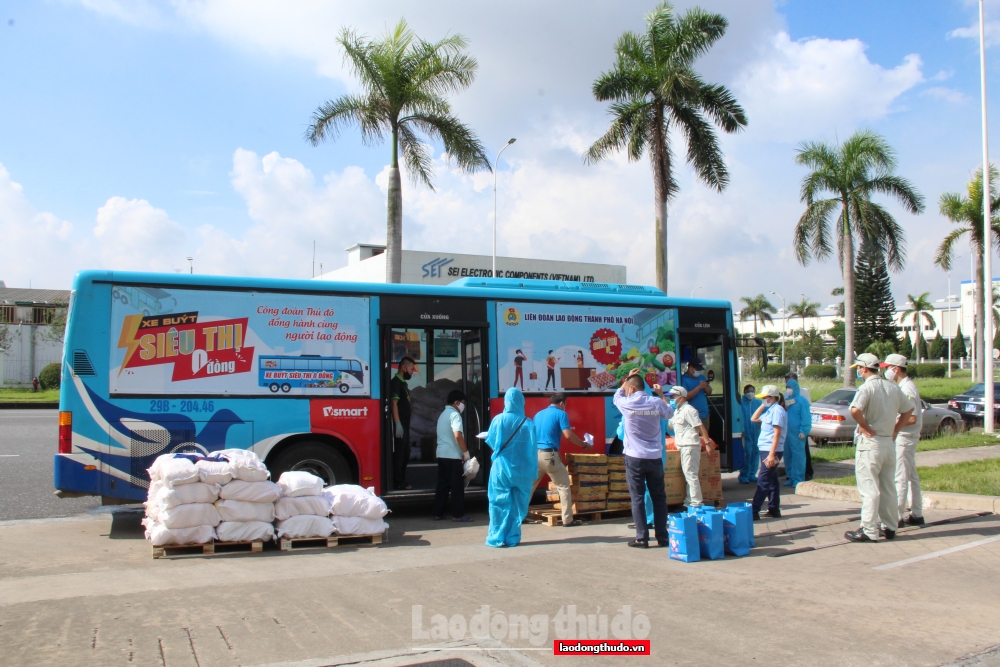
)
(551, 426)
(698, 389)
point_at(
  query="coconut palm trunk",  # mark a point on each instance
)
(848, 268)
(394, 222)
(661, 167)
(980, 320)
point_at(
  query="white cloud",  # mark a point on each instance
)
(815, 85)
(34, 245)
(133, 235)
(135, 12)
(990, 28)
(945, 94)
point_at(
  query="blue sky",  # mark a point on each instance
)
(135, 134)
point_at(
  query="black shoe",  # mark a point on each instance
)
(639, 544)
(857, 536)
(663, 544)
(774, 514)
(886, 533)
(911, 520)
(756, 516)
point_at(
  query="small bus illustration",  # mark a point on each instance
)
(279, 373)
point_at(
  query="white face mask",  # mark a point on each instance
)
(890, 374)
(788, 393)
(770, 400)
(749, 395)
(461, 408)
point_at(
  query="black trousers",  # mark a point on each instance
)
(450, 479)
(767, 485)
(550, 377)
(642, 474)
(400, 457)
(809, 462)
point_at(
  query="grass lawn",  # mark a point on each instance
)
(932, 390)
(844, 452)
(976, 477)
(12, 395)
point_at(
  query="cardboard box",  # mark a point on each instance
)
(676, 488)
(710, 461)
(593, 459)
(618, 486)
(589, 493)
(616, 463)
(673, 462)
(587, 469)
(616, 476)
(585, 507)
(619, 505)
(581, 478)
(711, 488)
(614, 497)
(552, 497)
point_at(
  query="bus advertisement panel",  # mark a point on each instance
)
(572, 348)
(240, 343)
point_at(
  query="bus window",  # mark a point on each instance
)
(329, 365)
(287, 364)
(355, 365)
(341, 365)
(301, 364)
(315, 365)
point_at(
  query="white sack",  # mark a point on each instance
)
(305, 525)
(188, 516)
(239, 510)
(353, 500)
(251, 492)
(244, 464)
(198, 492)
(154, 488)
(172, 471)
(300, 483)
(285, 508)
(240, 531)
(356, 525)
(160, 535)
(214, 472)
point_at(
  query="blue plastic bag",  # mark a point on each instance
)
(749, 508)
(682, 530)
(735, 530)
(711, 538)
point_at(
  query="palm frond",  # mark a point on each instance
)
(812, 233)
(368, 113)
(416, 157)
(459, 141)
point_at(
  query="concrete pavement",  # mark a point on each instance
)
(86, 592)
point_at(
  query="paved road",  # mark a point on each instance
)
(28, 440)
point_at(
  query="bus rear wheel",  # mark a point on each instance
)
(315, 458)
(286, 387)
(273, 387)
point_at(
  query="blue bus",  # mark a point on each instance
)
(190, 375)
(311, 372)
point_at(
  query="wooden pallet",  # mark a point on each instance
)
(303, 543)
(553, 517)
(208, 549)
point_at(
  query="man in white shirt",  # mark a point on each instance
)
(880, 409)
(907, 479)
(452, 452)
(688, 435)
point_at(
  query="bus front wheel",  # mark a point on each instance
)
(344, 389)
(315, 458)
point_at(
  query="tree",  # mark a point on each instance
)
(967, 212)
(939, 347)
(881, 348)
(654, 88)
(906, 347)
(836, 331)
(920, 307)
(874, 307)
(958, 344)
(838, 291)
(812, 344)
(56, 331)
(757, 307)
(804, 309)
(404, 80)
(851, 172)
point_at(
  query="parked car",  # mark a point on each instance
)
(970, 404)
(832, 420)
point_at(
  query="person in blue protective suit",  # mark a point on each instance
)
(515, 467)
(751, 432)
(799, 426)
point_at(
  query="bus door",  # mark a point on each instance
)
(702, 334)
(446, 338)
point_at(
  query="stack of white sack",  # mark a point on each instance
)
(356, 510)
(179, 507)
(303, 509)
(246, 503)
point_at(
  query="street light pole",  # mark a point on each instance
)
(495, 163)
(696, 289)
(784, 316)
(191, 262)
(987, 295)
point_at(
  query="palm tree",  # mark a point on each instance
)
(851, 172)
(653, 87)
(919, 307)
(967, 211)
(804, 309)
(404, 81)
(757, 307)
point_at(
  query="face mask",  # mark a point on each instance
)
(788, 393)
(407, 376)
(860, 376)
(890, 374)
(770, 400)
(672, 403)
(461, 408)
(749, 395)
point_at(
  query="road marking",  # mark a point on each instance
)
(935, 554)
(9, 454)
